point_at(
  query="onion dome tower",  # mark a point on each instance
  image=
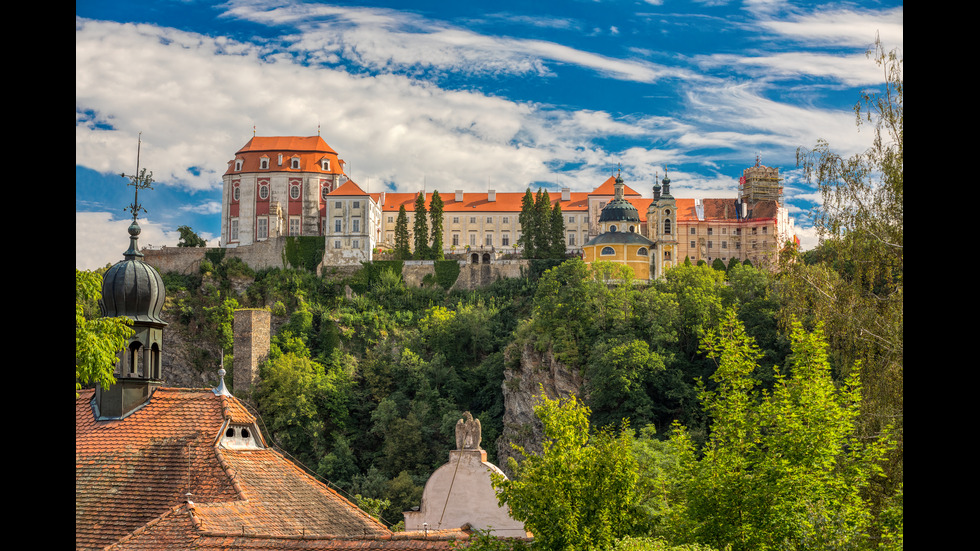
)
(662, 228)
(619, 214)
(133, 289)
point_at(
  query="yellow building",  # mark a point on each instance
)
(620, 239)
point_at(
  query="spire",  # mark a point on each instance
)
(132, 288)
(618, 186)
(139, 180)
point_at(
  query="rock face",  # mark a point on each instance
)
(535, 373)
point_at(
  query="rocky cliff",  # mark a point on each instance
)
(528, 376)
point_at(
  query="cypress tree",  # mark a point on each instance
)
(403, 247)
(435, 218)
(421, 228)
(526, 219)
(557, 230)
(542, 224)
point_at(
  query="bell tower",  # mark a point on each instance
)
(133, 289)
(662, 227)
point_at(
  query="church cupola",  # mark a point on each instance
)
(619, 214)
(133, 289)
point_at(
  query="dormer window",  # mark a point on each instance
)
(325, 164)
(238, 164)
(240, 437)
(295, 163)
(280, 159)
(264, 163)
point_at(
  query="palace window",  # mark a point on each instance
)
(505, 239)
(294, 225)
(233, 230)
(642, 251)
(356, 226)
(294, 191)
(263, 228)
(263, 192)
(325, 191)
(607, 251)
(336, 225)
(236, 193)
(357, 204)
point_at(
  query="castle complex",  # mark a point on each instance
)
(294, 186)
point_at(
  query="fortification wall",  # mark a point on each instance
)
(269, 254)
(187, 260)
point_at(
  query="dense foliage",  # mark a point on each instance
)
(721, 406)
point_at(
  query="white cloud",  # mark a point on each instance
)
(856, 28)
(101, 238)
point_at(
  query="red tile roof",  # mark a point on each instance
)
(609, 188)
(310, 149)
(349, 188)
(132, 476)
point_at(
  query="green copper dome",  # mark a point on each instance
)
(619, 209)
(133, 288)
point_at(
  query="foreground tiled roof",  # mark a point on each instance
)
(133, 477)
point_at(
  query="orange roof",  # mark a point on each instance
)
(480, 202)
(310, 150)
(286, 144)
(132, 476)
(349, 188)
(609, 188)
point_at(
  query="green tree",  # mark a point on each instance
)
(435, 217)
(557, 232)
(528, 228)
(188, 238)
(403, 246)
(542, 224)
(783, 469)
(855, 289)
(580, 492)
(421, 228)
(97, 339)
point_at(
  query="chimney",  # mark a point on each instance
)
(459, 196)
(566, 194)
(492, 195)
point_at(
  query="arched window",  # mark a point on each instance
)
(642, 251)
(612, 228)
(667, 226)
(606, 251)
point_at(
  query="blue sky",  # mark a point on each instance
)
(460, 95)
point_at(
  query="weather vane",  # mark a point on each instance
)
(142, 180)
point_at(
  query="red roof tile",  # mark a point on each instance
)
(349, 188)
(132, 476)
(309, 149)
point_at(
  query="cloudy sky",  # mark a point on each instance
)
(459, 95)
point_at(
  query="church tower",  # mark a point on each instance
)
(133, 289)
(662, 229)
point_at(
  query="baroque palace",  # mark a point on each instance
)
(293, 186)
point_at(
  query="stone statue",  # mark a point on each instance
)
(468, 433)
